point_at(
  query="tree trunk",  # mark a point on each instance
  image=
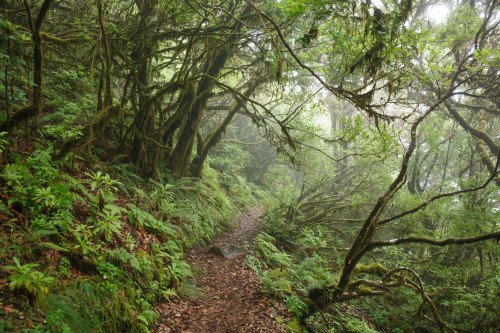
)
(181, 155)
(362, 243)
(144, 122)
(26, 113)
(108, 95)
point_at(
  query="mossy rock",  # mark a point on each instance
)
(279, 273)
(294, 325)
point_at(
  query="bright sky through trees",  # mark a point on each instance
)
(438, 13)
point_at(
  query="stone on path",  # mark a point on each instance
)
(226, 250)
(232, 300)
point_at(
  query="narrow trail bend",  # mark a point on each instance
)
(232, 299)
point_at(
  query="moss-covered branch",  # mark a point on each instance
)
(96, 126)
(436, 242)
(17, 118)
(472, 130)
(62, 41)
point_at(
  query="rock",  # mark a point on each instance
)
(226, 250)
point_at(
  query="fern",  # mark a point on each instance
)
(43, 233)
(126, 258)
(265, 247)
(141, 218)
(52, 246)
(179, 270)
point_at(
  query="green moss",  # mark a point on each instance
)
(294, 325)
(279, 273)
(374, 268)
(145, 260)
(364, 289)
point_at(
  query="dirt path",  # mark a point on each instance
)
(232, 300)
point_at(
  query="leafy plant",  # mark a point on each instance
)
(109, 222)
(141, 218)
(83, 235)
(54, 323)
(269, 252)
(25, 276)
(353, 325)
(45, 196)
(179, 270)
(146, 318)
(37, 185)
(103, 186)
(102, 182)
(379, 319)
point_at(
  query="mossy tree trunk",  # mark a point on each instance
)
(26, 113)
(180, 159)
(144, 122)
(105, 80)
(38, 56)
(181, 155)
(364, 239)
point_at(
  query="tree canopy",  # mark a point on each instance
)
(372, 125)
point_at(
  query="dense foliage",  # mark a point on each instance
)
(132, 130)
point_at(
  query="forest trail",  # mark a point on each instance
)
(231, 299)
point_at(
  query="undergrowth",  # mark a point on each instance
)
(295, 261)
(291, 261)
(95, 251)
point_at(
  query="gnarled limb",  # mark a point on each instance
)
(493, 176)
(475, 132)
(425, 297)
(437, 242)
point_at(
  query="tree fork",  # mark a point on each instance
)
(214, 137)
(180, 158)
(362, 243)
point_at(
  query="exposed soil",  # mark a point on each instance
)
(232, 300)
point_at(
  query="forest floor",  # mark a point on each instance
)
(229, 293)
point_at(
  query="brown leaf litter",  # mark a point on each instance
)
(232, 300)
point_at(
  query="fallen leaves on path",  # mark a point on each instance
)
(233, 301)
